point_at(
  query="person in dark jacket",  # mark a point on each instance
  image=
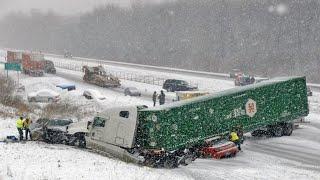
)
(154, 98)
(162, 98)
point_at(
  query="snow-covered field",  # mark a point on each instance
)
(293, 157)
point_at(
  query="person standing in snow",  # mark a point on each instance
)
(19, 124)
(26, 126)
(154, 98)
(234, 138)
(162, 98)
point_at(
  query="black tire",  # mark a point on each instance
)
(277, 131)
(170, 163)
(257, 133)
(287, 129)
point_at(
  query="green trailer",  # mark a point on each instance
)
(185, 124)
(173, 134)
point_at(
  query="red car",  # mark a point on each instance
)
(220, 150)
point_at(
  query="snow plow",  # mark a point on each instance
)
(98, 76)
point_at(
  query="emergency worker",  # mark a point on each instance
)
(234, 138)
(26, 126)
(19, 124)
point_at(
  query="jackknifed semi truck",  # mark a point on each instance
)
(173, 134)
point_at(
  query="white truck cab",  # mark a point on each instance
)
(113, 130)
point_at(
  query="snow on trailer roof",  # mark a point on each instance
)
(220, 94)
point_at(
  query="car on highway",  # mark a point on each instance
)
(132, 91)
(44, 95)
(93, 94)
(172, 85)
(69, 87)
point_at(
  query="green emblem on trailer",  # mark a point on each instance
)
(251, 107)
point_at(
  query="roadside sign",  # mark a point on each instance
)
(12, 66)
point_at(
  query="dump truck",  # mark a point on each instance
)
(98, 76)
(173, 134)
(33, 64)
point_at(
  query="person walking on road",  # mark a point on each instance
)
(162, 98)
(154, 98)
(26, 126)
(19, 124)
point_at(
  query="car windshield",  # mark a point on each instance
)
(183, 83)
(59, 122)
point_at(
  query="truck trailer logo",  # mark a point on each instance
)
(251, 108)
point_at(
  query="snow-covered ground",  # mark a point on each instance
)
(293, 157)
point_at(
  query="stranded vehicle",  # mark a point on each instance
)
(172, 85)
(173, 134)
(98, 76)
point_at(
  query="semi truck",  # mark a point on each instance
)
(33, 64)
(14, 57)
(173, 134)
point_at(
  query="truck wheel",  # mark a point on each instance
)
(170, 163)
(287, 129)
(257, 133)
(277, 131)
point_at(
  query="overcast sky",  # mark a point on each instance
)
(65, 7)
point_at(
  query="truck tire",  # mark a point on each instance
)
(257, 133)
(277, 131)
(287, 129)
(170, 163)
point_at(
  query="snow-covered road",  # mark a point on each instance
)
(293, 157)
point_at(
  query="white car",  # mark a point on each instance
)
(44, 95)
(93, 94)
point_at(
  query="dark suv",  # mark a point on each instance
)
(172, 85)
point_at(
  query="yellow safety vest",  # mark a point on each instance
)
(19, 123)
(26, 124)
(234, 136)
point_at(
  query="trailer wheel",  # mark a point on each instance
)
(277, 131)
(287, 129)
(170, 163)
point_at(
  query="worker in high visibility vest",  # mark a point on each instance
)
(19, 123)
(26, 126)
(234, 138)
